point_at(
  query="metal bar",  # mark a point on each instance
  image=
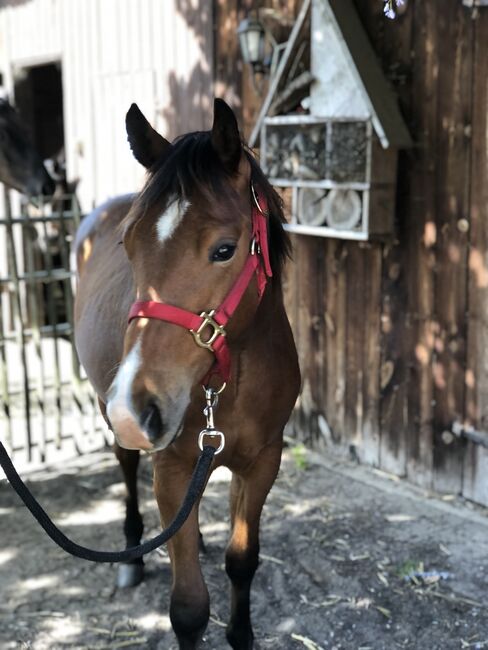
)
(322, 184)
(83, 391)
(304, 119)
(66, 216)
(59, 391)
(33, 295)
(325, 231)
(67, 291)
(4, 383)
(65, 282)
(38, 276)
(470, 433)
(17, 308)
(475, 3)
(64, 329)
(47, 386)
(52, 320)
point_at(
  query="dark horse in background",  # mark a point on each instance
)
(21, 167)
(184, 242)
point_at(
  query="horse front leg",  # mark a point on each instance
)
(248, 494)
(190, 603)
(131, 573)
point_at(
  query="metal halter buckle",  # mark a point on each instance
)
(208, 321)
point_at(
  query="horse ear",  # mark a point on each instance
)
(146, 143)
(225, 136)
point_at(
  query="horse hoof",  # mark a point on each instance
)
(129, 575)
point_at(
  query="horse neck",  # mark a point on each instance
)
(270, 316)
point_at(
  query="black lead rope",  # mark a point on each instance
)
(195, 490)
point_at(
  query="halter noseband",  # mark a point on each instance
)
(216, 319)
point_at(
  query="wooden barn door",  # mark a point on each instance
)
(475, 474)
(393, 336)
(434, 278)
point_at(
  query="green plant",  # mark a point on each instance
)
(299, 454)
(410, 567)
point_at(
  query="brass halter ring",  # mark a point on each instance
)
(208, 321)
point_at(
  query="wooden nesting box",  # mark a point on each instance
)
(340, 156)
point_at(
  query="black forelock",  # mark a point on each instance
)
(192, 168)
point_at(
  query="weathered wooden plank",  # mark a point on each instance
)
(454, 88)
(371, 357)
(335, 338)
(308, 260)
(392, 42)
(317, 337)
(475, 485)
(353, 325)
(300, 329)
(290, 283)
(420, 242)
(393, 367)
(289, 279)
(361, 325)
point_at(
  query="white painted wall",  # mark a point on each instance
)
(157, 53)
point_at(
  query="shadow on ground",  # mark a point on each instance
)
(350, 560)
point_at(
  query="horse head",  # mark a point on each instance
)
(188, 237)
(21, 166)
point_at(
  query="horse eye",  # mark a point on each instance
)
(223, 253)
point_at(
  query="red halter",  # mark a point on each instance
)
(257, 262)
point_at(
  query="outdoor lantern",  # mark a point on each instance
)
(252, 38)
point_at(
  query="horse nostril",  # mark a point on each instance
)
(151, 421)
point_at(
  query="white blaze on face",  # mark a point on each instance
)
(171, 218)
(119, 407)
(123, 416)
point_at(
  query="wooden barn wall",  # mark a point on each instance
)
(393, 337)
(113, 52)
(232, 79)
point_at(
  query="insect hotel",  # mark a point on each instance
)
(338, 155)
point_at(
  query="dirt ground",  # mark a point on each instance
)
(351, 559)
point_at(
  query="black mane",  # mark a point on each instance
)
(193, 167)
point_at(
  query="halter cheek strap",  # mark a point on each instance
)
(208, 328)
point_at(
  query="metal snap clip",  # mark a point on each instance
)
(211, 433)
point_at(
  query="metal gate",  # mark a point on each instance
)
(48, 411)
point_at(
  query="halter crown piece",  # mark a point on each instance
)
(208, 328)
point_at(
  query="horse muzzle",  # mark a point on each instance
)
(146, 432)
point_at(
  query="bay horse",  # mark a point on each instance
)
(21, 167)
(181, 246)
